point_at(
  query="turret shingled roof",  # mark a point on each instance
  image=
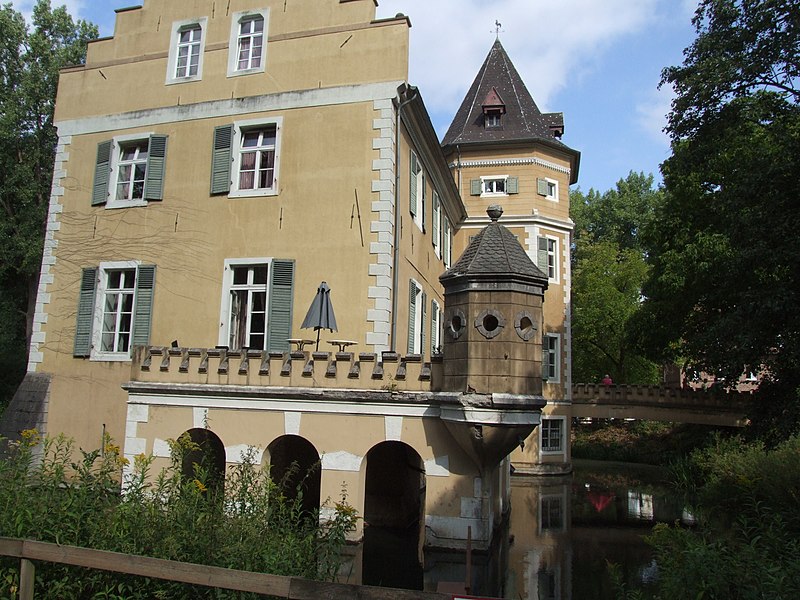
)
(496, 252)
(522, 121)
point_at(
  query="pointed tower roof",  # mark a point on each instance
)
(522, 121)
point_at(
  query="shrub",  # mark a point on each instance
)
(251, 524)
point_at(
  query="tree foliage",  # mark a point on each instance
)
(30, 60)
(608, 272)
(725, 281)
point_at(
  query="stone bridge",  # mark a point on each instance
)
(658, 403)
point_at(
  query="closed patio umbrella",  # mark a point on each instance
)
(320, 313)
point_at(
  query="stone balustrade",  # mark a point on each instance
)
(220, 366)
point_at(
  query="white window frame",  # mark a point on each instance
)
(236, 148)
(447, 242)
(420, 205)
(418, 322)
(485, 179)
(436, 224)
(553, 262)
(561, 502)
(97, 316)
(552, 189)
(179, 27)
(562, 420)
(116, 146)
(436, 332)
(233, 45)
(555, 365)
(225, 301)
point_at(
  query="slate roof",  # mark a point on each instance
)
(495, 252)
(523, 120)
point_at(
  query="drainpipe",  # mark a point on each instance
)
(396, 250)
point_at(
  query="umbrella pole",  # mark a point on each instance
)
(317, 350)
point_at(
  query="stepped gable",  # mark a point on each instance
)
(495, 252)
(522, 119)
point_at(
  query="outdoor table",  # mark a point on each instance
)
(300, 343)
(343, 344)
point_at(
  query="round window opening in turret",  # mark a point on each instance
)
(525, 326)
(457, 324)
(490, 323)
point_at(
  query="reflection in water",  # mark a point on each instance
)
(564, 531)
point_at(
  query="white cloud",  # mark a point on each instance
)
(549, 42)
(651, 114)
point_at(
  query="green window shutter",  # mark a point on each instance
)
(412, 191)
(542, 187)
(156, 163)
(422, 323)
(512, 185)
(86, 297)
(437, 218)
(412, 312)
(541, 255)
(474, 187)
(221, 160)
(102, 173)
(424, 199)
(434, 325)
(279, 324)
(143, 311)
(545, 358)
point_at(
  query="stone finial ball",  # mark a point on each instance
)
(495, 211)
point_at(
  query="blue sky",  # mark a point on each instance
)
(597, 61)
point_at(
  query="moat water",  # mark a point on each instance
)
(564, 531)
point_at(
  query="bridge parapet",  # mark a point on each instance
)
(714, 407)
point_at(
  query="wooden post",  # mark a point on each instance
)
(468, 582)
(27, 577)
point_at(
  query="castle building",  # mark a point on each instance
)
(215, 164)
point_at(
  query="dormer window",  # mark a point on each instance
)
(492, 119)
(493, 110)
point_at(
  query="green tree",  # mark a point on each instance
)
(608, 272)
(725, 281)
(30, 60)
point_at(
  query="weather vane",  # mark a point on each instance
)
(498, 28)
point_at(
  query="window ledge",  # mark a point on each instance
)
(252, 193)
(110, 357)
(113, 204)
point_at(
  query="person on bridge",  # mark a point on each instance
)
(606, 381)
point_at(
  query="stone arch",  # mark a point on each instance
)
(295, 465)
(394, 516)
(204, 453)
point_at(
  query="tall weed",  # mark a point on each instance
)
(250, 523)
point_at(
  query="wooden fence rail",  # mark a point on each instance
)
(293, 588)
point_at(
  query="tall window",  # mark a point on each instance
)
(114, 310)
(131, 170)
(248, 307)
(250, 43)
(417, 192)
(447, 242)
(185, 61)
(417, 300)
(257, 159)
(552, 437)
(118, 296)
(256, 307)
(547, 259)
(436, 218)
(551, 344)
(436, 328)
(188, 59)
